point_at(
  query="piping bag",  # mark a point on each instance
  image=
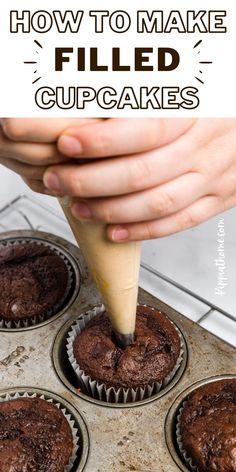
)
(115, 270)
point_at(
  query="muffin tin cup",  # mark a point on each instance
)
(172, 424)
(98, 390)
(77, 423)
(61, 407)
(38, 319)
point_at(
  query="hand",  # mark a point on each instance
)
(148, 193)
(161, 176)
(28, 147)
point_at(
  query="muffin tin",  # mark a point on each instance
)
(123, 439)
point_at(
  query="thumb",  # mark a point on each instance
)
(41, 130)
(116, 137)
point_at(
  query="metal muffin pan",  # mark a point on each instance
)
(122, 439)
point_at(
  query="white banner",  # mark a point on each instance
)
(142, 59)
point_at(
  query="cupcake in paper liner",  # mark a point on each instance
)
(206, 427)
(35, 280)
(37, 433)
(111, 374)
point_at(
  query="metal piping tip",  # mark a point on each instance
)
(124, 340)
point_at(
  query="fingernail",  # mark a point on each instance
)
(70, 145)
(81, 209)
(52, 182)
(120, 234)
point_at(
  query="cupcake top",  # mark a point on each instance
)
(150, 359)
(33, 279)
(34, 436)
(208, 427)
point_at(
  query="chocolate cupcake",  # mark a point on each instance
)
(35, 436)
(34, 281)
(206, 429)
(138, 371)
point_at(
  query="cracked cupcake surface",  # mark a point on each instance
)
(34, 436)
(150, 359)
(207, 427)
(33, 279)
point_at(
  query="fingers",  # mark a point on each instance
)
(193, 215)
(25, 170)
(43, 130)
(109, 138)
(30, 153)
(147, 205)
(121, 176)
(38, 187)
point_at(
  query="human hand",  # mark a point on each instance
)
(161, 176)
(28, 146)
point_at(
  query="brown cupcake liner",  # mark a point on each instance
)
(35, 320)
(67, 415)
(184, 454)
(98, 389)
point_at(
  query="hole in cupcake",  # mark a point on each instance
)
(39, 281)
(201, 426)
(57, 438)
(88, 361)
(118, 343)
